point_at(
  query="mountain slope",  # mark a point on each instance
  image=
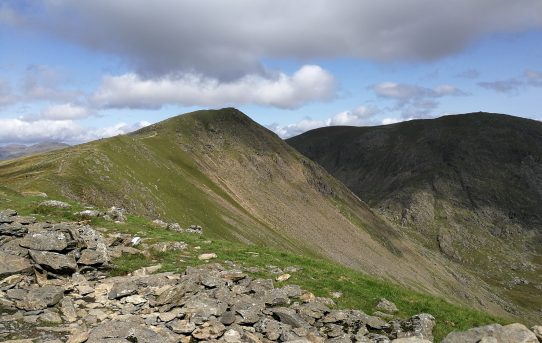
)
(469, 186)
(221, 170)
(18, 150)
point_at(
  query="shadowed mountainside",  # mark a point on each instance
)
(468, 186)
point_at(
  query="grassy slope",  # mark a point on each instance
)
(242, 183)
(476, 179)
(318, 276)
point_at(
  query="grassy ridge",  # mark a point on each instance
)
(316, 275)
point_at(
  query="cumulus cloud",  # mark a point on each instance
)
(361, 115)
(27, 132)
(227, 39)
(65, 112)
(309, 83)
(412, 100)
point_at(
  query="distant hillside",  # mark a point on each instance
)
(468, 186)
(241, 182)
(18, 150)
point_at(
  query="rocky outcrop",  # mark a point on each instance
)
(64, 295)
(513, 333)
(54, 204)
(54, 249)
(203, 304)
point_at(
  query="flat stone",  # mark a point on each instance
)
(231, 336)
(79, 336)
(228, 318)
(67, 308)
(159, 224)
(386, 306)
(410, 340)
(91, 257)
(50, 317)
(122, 289)
(45, 240)
(41, 298)
(58, 263)
(181, 326)
(283, 277)
(289, 316)
(209, 330)
(513, 333)
(207, 256)
(11, 265)
(13, 229)
(126, 331)
(13, 247)
(54, 204)
(135, 299)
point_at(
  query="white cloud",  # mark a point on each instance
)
(309, 83)
(65, 112)
(406, 92)
(362, 115)
(21, 131)
(412, 100)
(227, 39)
(388, 121)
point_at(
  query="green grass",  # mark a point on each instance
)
(316, 275)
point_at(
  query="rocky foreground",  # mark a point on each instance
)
(54, 288)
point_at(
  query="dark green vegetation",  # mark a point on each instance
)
(467, 186)
(316, 275)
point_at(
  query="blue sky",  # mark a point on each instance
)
(79, 70)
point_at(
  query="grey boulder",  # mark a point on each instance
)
(55, 262)
(11, 264)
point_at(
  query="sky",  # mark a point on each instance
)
(78, 70)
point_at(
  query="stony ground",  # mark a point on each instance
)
(55, 288)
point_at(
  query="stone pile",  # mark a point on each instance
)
(57, 250)
(170, 226)
(114, 214)
(53, 289)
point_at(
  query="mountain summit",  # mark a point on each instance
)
(241, 182)
(468, 186)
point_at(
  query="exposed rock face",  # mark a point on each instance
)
(54, 248)
(54, 204)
